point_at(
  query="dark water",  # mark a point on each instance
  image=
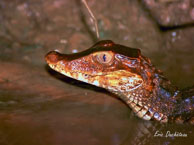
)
(94, 117)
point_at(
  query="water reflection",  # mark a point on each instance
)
(62, 122)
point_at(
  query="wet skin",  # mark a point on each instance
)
(125, 72)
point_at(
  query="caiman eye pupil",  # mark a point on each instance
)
(104, 57)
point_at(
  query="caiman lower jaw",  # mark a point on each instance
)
(120, 80)
(87, 78)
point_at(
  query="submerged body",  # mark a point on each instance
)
(126, 73)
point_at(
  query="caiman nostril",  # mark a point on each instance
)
(52, 57)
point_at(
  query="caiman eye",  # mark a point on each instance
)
(104, 57)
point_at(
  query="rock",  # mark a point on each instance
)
(170, 13)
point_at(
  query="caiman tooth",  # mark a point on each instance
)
(72, 75)
(96, 83)
(68, 74)
(80, 77)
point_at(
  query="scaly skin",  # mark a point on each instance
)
(126, 73)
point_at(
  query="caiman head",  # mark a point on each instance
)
(119, 69)
(106, 64)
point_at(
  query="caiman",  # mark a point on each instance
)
(125, 72)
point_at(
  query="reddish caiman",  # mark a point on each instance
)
(125, 72)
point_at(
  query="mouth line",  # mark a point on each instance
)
(90, 75)
(72, 73)
(89, 78)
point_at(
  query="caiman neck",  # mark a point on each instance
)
(154, 100)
